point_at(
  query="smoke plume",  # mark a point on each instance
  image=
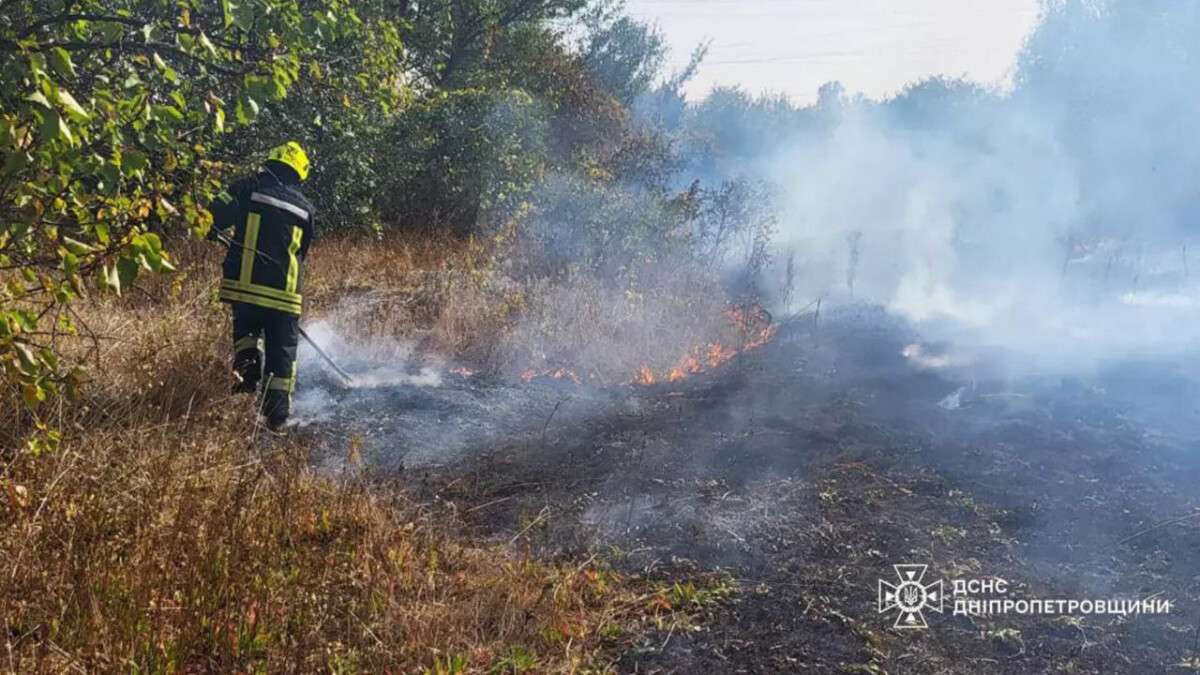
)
(1052, 218)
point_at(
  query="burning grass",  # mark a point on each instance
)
(659, 325)
(656, 323)
(754, 330)
(166, 534)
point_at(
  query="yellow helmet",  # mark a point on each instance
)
(293, 155)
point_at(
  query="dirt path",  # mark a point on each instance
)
(806, 469)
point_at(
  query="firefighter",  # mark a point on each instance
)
(267, 224)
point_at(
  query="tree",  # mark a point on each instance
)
(451, 39)
(112, 124)
(519, 106)
(623, 55)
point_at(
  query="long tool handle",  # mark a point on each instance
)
(336, 367)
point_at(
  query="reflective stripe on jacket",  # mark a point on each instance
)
(272, 228)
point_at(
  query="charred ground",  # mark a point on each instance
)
(798, 474)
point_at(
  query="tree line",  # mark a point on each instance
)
(122, 119)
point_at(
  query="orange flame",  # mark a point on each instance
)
(645, 376)
(753, 322)
(749, 321)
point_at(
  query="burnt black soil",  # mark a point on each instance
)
(805, 469)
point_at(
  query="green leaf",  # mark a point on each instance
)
(77, 247)
(272, 88)
(24, 320)
(110, 175)
(70, 263)
(135, 160)
(150, 253)
(37, 65)
(15, 162)
(55, 128)
(148, 242)
(243, 16)
(246, 110)
(127, 272)
(49, 358)
(208, 45)
(60, 59)
(168, 112)
(26, 356)
(74, 110)
(40, 99)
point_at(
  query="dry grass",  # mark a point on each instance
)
(466, 306)
(444, 296)
(183, 545)
(166, 534)
(607, 332)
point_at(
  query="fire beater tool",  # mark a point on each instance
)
(345, 376)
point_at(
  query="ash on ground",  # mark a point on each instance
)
(804, 470)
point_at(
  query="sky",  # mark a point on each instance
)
(871, 46)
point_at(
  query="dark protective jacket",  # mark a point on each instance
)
(272, 228)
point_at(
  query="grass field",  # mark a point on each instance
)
(168, 534)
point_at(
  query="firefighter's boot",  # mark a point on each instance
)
(247, 364)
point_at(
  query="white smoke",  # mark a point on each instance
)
(372, 362)
(1051, 220)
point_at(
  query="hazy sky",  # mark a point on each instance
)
(871, 46)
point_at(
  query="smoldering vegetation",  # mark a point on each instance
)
(1026, 219)
(1013, 227)
(1032, 217)
(445, 365)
